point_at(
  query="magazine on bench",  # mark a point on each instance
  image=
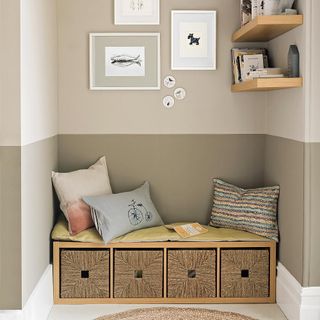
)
(187, 230)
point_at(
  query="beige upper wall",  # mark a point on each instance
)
(39, 121)
(39, 56)
(285, 113)
(10, 72)
(295, 113)
(315, 72)
(210, 107)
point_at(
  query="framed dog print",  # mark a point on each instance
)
(136, 12)
(125, 61)
(193, 40)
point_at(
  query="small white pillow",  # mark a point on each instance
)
(71, 187)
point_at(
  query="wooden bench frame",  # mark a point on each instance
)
(271, 245)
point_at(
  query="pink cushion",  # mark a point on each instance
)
(79, 217)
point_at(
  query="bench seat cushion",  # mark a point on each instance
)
(155, 234)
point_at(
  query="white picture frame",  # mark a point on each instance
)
(193, 40)
(130, 12)
(102, 75)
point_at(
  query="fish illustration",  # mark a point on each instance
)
(126, 60)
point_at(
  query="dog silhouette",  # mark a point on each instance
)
(193, 40)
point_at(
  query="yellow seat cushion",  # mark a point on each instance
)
(60, 233)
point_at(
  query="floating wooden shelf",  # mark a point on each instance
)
(265, 28)
(267, 84)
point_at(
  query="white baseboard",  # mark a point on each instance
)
(296, 302)
(39, 303)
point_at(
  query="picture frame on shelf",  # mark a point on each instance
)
(124, 61)
(137, 12)
(193, 40)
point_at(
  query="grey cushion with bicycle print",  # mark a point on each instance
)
(117, 214)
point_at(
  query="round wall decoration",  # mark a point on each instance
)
(168, 102)
(180, 93)
(169, 82)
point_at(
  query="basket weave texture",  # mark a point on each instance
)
(138, 274)
(245, 273)
(84, 274)
(191, 273)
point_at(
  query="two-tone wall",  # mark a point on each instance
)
(292, 151)
(50, 119)
(212, 133)
(28, 145)
(10, 156)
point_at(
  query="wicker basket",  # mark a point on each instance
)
(138, 274)
(191, 273)
(244, 273)
(84, 273)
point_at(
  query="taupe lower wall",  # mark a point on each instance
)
(180, 168)
(38, 160)
(314, 236)
(26, 218)
(284, 165)
(10, 228)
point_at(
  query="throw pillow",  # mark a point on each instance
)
(118, 214)
(252, 210)
(72, 186)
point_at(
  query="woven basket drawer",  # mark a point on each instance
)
(191, 273)
(244, 273)
(138, 274)
(84, 273)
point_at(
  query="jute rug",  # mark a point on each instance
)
(175, 314)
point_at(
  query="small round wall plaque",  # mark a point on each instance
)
(168, 102)
(169, 82)
(180, 93)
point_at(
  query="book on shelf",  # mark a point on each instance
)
(251, 63)
(238, 62)
(250, 9)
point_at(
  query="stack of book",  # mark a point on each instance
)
(250, 9)
(250, 63)
(266, 73)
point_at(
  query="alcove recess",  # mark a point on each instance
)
(262, 29)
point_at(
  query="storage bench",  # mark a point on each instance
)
(165, 272)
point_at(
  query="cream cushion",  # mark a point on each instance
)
(72, 186)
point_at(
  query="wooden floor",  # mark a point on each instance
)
(90, 312)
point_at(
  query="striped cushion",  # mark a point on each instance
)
(252, 210)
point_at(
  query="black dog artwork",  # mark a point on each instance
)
(193, 40)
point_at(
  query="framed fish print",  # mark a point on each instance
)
(137, 12)
(193, 40)
(124, 61)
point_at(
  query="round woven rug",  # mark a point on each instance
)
(175, 314)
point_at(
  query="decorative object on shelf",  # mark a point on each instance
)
(168, 102)
(293, 62)
(275, 7)
(169, 82)
(250, 9)
(136, 12)
(193, 40)
(125, 61)
(180, 93)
